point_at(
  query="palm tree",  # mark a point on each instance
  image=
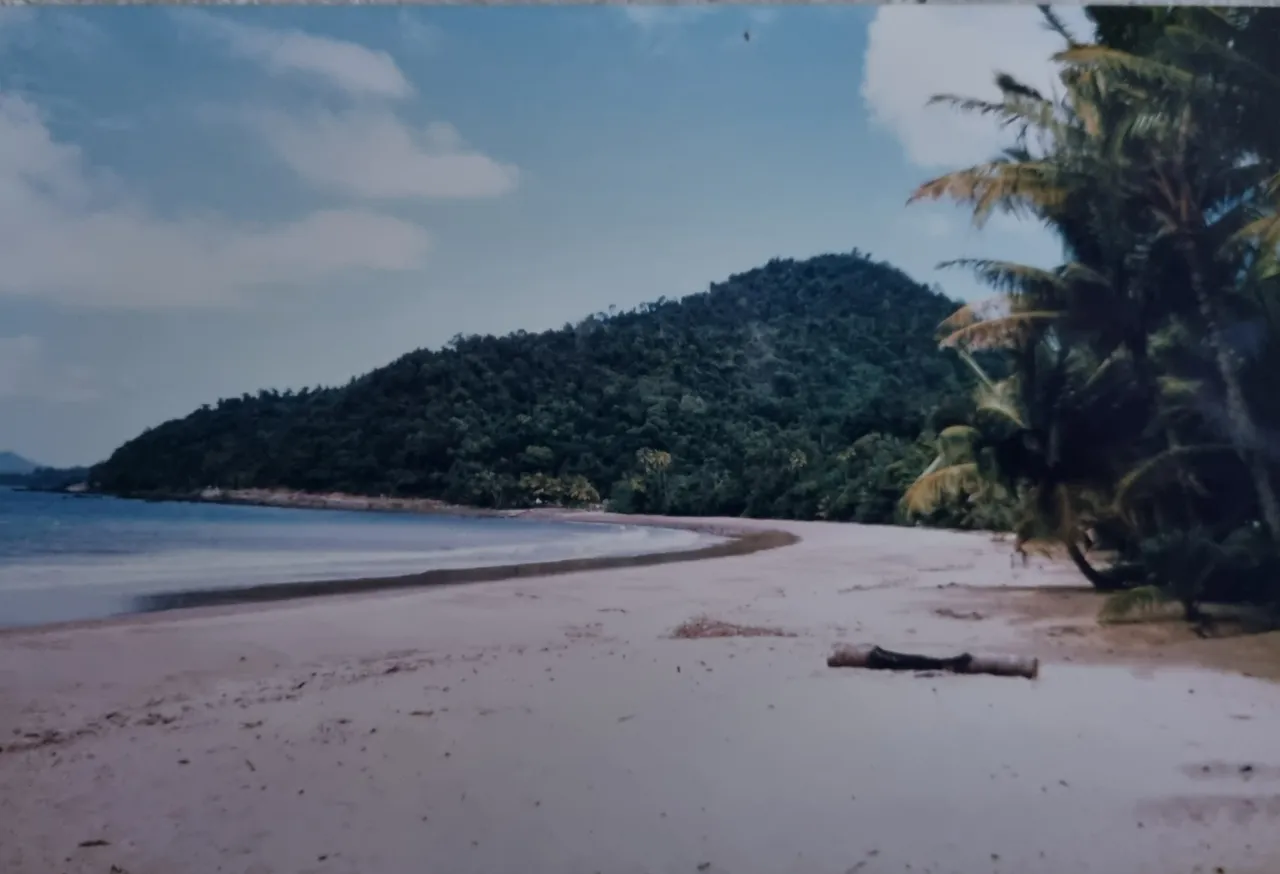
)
(1050, 435)
(1205, 86)
(1158, 212)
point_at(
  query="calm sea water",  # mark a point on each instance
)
(66, 557)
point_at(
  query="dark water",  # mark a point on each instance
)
(65, 557)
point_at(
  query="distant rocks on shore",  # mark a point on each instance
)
(342, 501)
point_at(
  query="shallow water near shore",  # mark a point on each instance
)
(65, 558)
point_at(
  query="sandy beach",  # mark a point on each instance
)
(553, 724)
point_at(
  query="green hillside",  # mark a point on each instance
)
(798, 389)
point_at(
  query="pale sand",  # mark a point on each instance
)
(552, 725)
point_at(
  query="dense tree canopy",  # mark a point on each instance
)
(799, 389)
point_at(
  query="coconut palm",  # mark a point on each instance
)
(1050, 435)
(1162, 215)
(1142, 394)
(1205, 84)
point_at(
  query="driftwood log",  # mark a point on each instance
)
(877, 659)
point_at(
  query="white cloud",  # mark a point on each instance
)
(914, 52)
(371, 153)
(363, 150)
(28, 372)
(350, 67)
(75, 235)
(70, 235)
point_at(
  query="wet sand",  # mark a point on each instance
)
(721, 543)
(554, 724)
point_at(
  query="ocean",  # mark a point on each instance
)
(69, 557)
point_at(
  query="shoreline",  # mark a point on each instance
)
(1061, 619)
(740, 544)
(735, 540)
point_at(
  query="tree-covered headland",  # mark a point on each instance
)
(802, 389)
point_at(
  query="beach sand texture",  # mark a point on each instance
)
(555, 725)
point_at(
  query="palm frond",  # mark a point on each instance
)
(1144, 67)
(1007, 277)
(956, 443)
(932, 489)
(1018, 188)
(1001, 333)
(1001, 398)
(1263, 232)
(969, 104)
(1055, 24)
(1076, 272)
(1223, 53)
(961, 318)
(1012, 87)
(975, 367)
(1149, 471)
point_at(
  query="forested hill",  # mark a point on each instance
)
(798, 389)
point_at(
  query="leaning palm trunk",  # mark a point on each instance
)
(1243, 431)
(1101, 581)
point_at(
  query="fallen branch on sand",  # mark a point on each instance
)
(876, 659)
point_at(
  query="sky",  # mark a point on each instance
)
(196, 204)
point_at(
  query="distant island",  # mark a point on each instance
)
(19, 472)
(801, 389)
(11, 463)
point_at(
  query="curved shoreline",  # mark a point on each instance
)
(743, 543)
(735, 541)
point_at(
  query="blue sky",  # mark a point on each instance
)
(195, 204)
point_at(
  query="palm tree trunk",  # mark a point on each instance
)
(1243, 430)
(1099, 580)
